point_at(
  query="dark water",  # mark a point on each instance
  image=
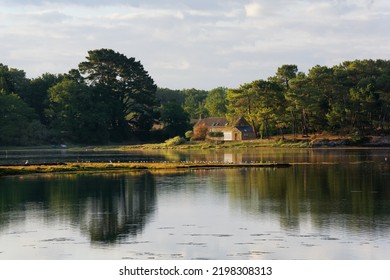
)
(331, 204)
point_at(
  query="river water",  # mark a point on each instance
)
(331, 204)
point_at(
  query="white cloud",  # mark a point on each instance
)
(172, 64)
(194, 43)
(253, 9)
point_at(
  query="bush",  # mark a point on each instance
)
(200, 132)
(215, 134)
(175, 141)
(189, 134)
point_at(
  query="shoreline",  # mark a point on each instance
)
(313, 142)
(288, 142)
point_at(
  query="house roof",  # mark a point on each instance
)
(239, 123)
(213, 122)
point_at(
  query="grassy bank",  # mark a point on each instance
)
(211, 145)
(288, 141)
(106, 167)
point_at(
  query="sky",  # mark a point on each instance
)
(200, 44)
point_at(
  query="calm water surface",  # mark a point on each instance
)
(331, 204)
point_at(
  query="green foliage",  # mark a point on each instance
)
(76, 114)
(194, 103)
(110, 97)
(189, 134)
(122, 84)
(166, 95)
(302, 105)
(35, 134)
(12, 80)
(36, 94)
(215, 134)
(284, 74)
(175, 141)
(258, 102)
(347, 98)
(17, 121)
(215, 102)
(175, 119)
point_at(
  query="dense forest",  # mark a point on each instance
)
(111, 98)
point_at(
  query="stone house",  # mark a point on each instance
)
(237, 130)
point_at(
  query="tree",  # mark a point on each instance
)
(284, 74)
(368, 94)
(36, 94)
(124, 85)
(240, 103)
(299, 100)
(365, 105)
(76, 114)
(194, 103)
(15, 113)
(258, 102)
(175, 119)
(15, 120)
(267, 98)
(215, 102)
(383, 85)
(12, 80)
(340, 104)
(166, 95)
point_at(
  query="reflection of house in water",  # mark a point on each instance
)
(219, 156)
(236, 130)
(230, 158)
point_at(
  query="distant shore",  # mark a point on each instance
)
(287, 141)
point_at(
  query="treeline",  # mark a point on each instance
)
(111, 98)
(353, 97)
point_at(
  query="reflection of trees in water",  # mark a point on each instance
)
(350, 195)
(113, 212)
(19, 195)
(106, 207)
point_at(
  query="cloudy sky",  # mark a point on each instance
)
(194, 43)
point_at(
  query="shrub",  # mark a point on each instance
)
(215, 134)
(189, 134)
(175, 141)
(200, 132)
